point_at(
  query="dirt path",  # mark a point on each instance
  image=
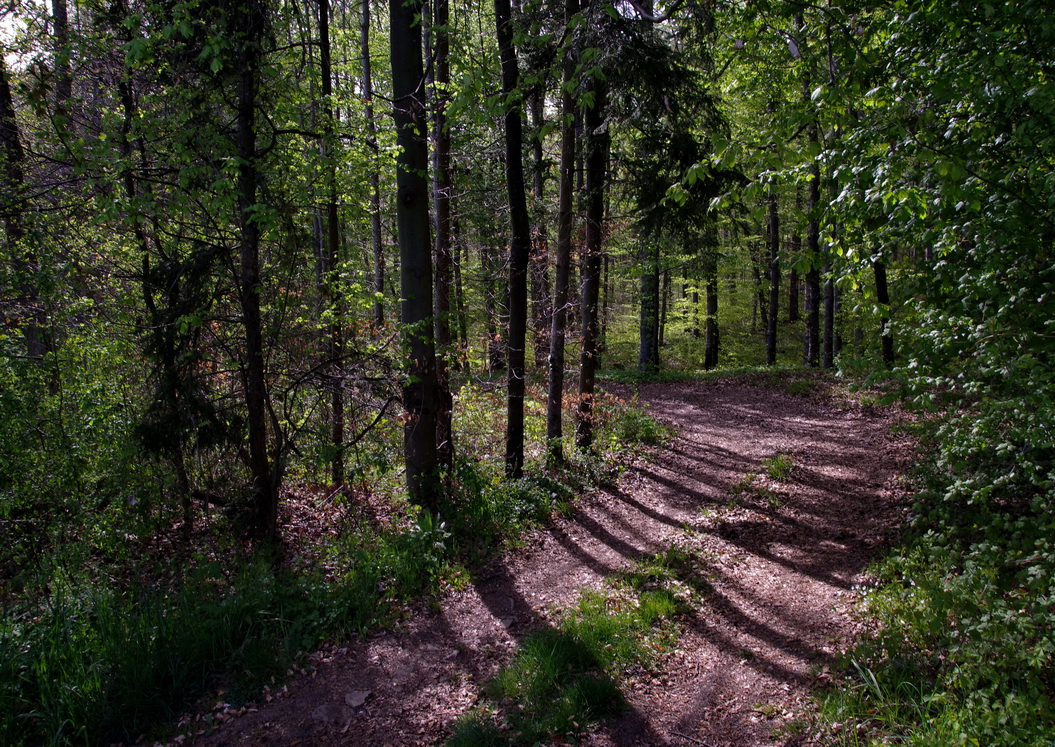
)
(783, 564)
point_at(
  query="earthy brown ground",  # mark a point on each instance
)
(782, 571)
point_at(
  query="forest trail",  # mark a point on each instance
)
(783, 563)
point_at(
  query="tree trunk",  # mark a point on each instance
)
(375, 178)
(812, 355)
(441, 199)
(596, 161)
(415, 251)
(265, 480)
(540, 290)
(519, 243)
(331, 292)
(648, 353)
(793, 275)
(774, 279)
(710, 344)
(565, 225)
(664, 297)
(883, 297)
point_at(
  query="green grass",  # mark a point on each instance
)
(565, 678)
(779, 466)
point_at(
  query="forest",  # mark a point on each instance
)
(310, 308)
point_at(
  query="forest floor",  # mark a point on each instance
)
(785, 562)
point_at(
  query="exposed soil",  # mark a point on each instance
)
(783, 558)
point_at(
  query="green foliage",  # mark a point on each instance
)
(779, 466)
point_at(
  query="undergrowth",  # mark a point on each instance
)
(963, 612)
(112, 632)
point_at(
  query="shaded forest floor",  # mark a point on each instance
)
(783, 558)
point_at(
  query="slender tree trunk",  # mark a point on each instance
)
(664, 297)
(565, 226)
(458, 253)
(828, 350)
(519, 244)
(265, 480)
(541, 310)
(596, 161)
(415, 250)
(793, 274)
(375, 178)
(774, 278)
(441, 199)
(648, 353)
(710, 344)
(333, 239)
(883, 297)
(813, 275)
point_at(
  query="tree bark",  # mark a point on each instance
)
(441, 200)
(812, 354)
(883, 297)
(331, 292)
(648, 352)
(375, 178)
(565, 225)
(774, 278)
(519, 243)
(265, 479)
(596, 162)
(540, 290)
(415, 250)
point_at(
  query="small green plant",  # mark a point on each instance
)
(779, 466)
(563, 679)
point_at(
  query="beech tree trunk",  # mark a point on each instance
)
(415, 251)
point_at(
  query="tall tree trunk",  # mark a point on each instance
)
(565, 225)
(664, 297)
(415, 251)
(265, 480)
(596, 162)
(331, 292)
(710, 343)
(540, 290)
(812, 354)
(375, 178)
(883, 297)
(441, 199)
(828, 349)
(793, 274)
(519, 244)
(648, 353)
(774, 278)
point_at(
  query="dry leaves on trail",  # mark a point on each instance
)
(784, 557)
